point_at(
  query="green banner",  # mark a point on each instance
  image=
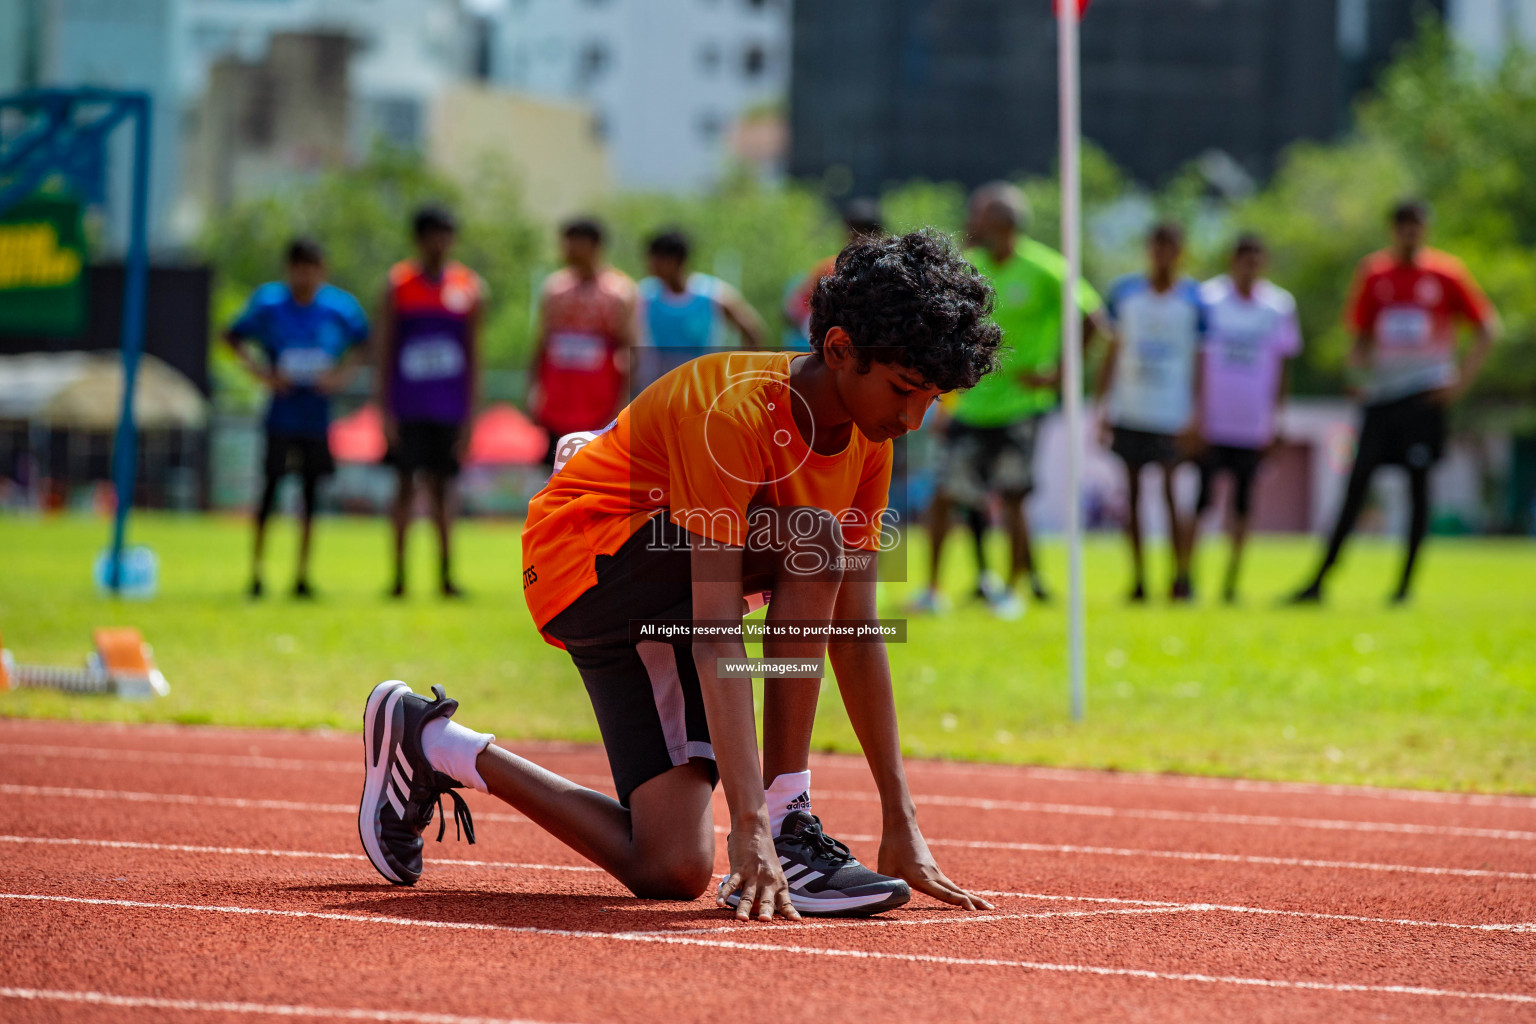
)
(42, 267)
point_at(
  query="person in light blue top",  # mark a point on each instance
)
(1149, 390)
(684, 315)
(306, 333)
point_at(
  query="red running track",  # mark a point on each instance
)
(175, 874)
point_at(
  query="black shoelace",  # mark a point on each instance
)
(461, 818)
(819, 843)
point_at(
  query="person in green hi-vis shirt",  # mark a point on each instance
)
(989, 442)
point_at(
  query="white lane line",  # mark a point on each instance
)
(218, 760)
(686, 940)
(1203, 817)
(242, 851)
(970, 844)
(1521, 926)
(1159, 905)
(242, 803)
(1091, 777)
(269, 1009)
(914, 767)
(810, 924)
(1221, 858)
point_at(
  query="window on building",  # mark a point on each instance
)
(709, 58)
(602, 128)
(397, 121)
(754, 60)
(758, 5)
(709, 125)
(592, 62)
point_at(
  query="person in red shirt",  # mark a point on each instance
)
(1405, 309)
(586, 330)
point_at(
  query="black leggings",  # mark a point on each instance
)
(1354, 500)
(308, 486)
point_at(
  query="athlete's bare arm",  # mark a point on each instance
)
(1106, 381)
(1483, 337)
(755, 871)
(739, 313)
(472, 357)
(269, 376)
(864, 679)
(383, 359)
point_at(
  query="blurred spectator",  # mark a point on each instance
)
(1253, 331)
(585, 333)
(1405, 307)
(308, 333)
(861, 217)
(990, 439)
(1149, 390)
(428, 379)
(683, 315)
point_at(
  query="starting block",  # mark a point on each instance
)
(122, 664)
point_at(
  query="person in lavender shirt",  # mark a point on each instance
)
(1252, 332)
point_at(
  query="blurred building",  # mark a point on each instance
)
(1490, 27)
(403, 52)
(965, 90)
(259, 123)
(669, 79)
(124, 44)
(549, 146)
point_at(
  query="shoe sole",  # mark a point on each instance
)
(378, 714)
(842, 906)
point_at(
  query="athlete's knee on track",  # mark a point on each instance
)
(683, 876)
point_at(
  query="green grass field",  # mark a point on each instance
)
(1441, 694)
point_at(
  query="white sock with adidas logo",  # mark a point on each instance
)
(453, 748)
(788, 792)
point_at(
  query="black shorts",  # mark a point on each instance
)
(979, 461)
(647, 696)
(310, 457)
(425, 445)
(1407, 432)
(1139, 448)
(1242, 463)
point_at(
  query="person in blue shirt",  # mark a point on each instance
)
(684, 315)
(1149, 391)
(305, 334)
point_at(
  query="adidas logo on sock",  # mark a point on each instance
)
(800, 803)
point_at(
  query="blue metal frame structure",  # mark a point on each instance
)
(64, 134)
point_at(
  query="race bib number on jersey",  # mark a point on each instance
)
(303, 366)
(571, 350)
(431, 359)
(1403, 327)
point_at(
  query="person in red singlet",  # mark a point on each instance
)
(586, 329)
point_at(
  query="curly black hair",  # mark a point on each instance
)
(910, 300)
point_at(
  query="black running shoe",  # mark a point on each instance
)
(825, 879)
(400, 787)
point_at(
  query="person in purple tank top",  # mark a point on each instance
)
(428, 378)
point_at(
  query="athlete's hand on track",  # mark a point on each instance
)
(757, 875)
(904, 854)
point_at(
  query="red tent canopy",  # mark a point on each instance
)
(503, 436)
(359, 437)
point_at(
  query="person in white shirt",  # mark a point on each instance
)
(1149, 389)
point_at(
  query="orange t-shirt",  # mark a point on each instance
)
(703, 443)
